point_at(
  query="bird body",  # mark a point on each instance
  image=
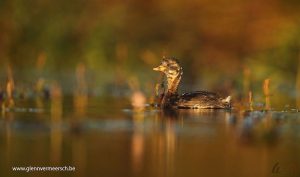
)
(193, 100)
(202, 99)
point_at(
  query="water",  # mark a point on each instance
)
(106, 137)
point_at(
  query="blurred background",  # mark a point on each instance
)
(229, 47)
(75, 76)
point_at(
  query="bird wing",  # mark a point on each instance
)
(200, 99)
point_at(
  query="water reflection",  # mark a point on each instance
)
(81, 91)
(10, 86)
(149, 142)
(166, 134)
(80, 104)
(56, 119)
(137, 151)
(79, 156)
(8, 119)
(260, 127)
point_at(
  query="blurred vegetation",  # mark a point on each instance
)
(217, 42)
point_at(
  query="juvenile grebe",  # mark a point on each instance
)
(193, 100)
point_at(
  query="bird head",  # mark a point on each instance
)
(170, 67)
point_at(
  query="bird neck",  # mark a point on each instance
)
(173, 84)
(170, 96)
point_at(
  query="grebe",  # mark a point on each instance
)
(194, 100)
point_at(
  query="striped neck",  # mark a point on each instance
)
(171, 93)
(173, 83)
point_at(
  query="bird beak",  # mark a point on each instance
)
(159, 68)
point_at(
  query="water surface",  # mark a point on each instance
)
(106, 137)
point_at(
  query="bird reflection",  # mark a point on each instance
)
(172, 123)
(179, 114)
(170, 113)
